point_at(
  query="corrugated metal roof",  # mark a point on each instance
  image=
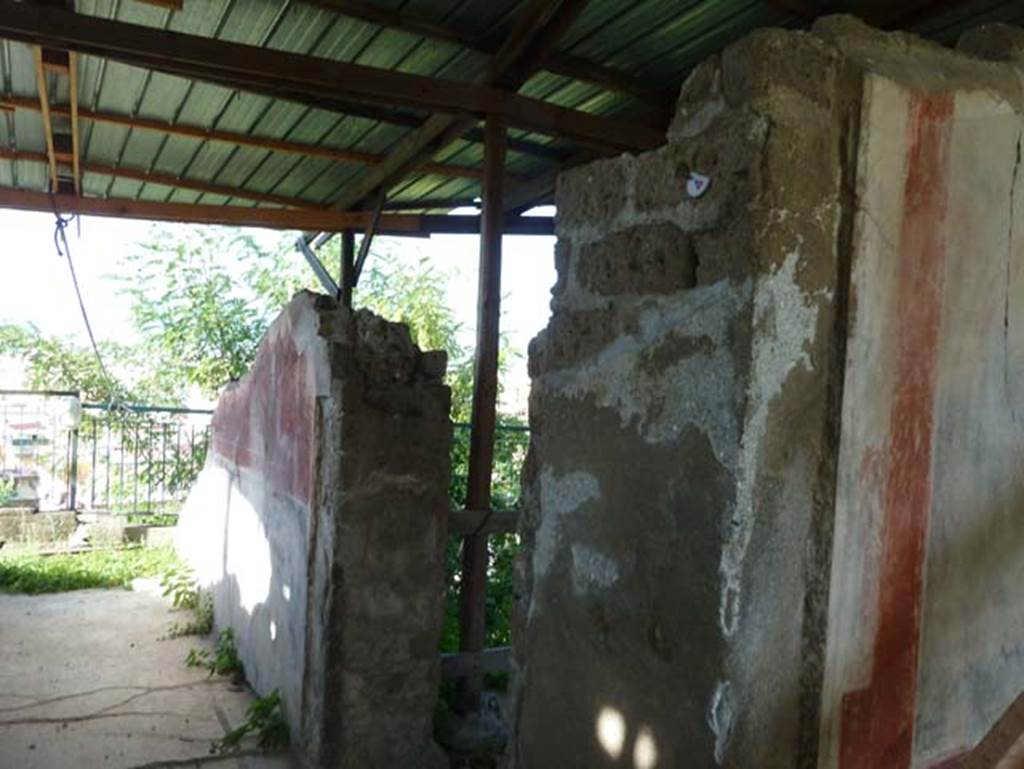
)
(657, 41)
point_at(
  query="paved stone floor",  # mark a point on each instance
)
(85, 681)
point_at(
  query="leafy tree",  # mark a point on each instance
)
(55, 363)
(199, 324)
(201, 300)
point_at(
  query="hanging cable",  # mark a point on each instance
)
(59, 239)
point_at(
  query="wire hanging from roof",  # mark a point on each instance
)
(59, 239)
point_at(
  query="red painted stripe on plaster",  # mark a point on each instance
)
(265, 423)
(878, 722)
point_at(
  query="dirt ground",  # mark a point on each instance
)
(86, 681)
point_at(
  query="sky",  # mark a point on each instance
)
(36, 287)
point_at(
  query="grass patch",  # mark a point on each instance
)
(34, 574)
(152, 519)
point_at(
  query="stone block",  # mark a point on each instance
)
(594, 194)
(646, 259)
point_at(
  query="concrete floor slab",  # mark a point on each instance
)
(86, 681)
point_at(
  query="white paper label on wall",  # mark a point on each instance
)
(697, 184)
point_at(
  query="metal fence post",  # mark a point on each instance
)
(73, 480)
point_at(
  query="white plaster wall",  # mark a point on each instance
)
(970, 644)
(245, 527)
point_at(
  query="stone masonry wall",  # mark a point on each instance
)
(319, 524)
(677, 515)
(772, 501)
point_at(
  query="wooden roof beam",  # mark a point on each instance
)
(55, 60)
(73, 110)
(308, 78)
(379, 113)
(44, 109)
(415, 225)
(562, 64)
(245, 140)
(165, 180)
(174, 5)
(427, 204)
(511, 64)
(539, 27)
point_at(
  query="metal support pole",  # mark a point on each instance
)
(330, 287)
(348, 266)
(73, 480)
(472, 600)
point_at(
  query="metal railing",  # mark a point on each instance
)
(59, 453)
(139, 459)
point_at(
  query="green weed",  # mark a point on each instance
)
(222, 661)
(179, 582)
(202, 618)
(265, 719)
(152, 519)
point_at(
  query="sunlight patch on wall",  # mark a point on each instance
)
(645, 750)
(611, 731)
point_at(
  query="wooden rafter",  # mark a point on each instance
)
(73, 110)
(44, 108)
(537, 31)
(244, 140)
(427, 204)
(308, 78)
(566, 65)
(579, 68)
(403, 158)
(385, 115)
(55, 61)
(166, 180)
(272, 218)
(174, 5)
(510, 65)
